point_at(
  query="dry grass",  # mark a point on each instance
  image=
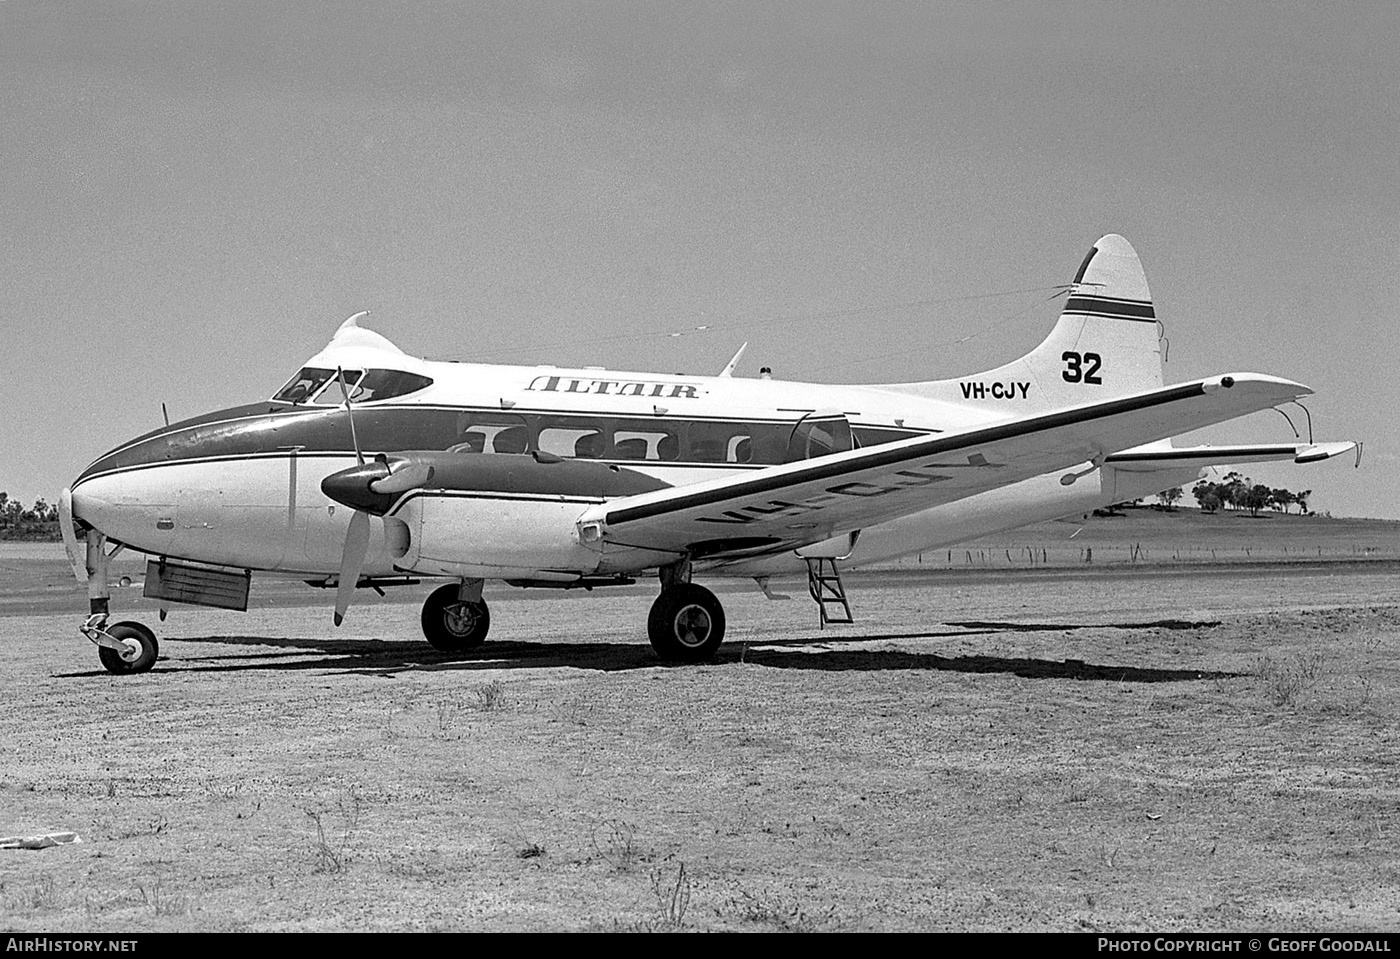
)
(1177, 752)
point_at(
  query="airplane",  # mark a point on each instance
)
(372, 468)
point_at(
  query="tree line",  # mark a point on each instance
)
(14, 515)
(1239, 492)
(1236, 492)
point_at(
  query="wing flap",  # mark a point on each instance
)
(800, 503)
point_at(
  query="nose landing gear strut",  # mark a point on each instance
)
(123, 648)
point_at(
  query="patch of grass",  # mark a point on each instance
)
(1078, 792)
(223, 791)
(491, 696)
(1284, 681)
(328, 847)
(448, 710)
(161, 900)
(390, 733)
(154, 826)
(1365, 692)
(782, 911)
(95, 906)
(614, 842)
(40, 896)
(672, 896)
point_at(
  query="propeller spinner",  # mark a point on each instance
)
(369, 489)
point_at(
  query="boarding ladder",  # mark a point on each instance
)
(824, 583)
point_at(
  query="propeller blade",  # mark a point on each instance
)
(356, 545)
(406, 476)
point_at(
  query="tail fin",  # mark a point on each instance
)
(1105, 344)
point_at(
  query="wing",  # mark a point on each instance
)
(799, 503)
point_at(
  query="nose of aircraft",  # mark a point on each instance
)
(129, 509)
(89, 508)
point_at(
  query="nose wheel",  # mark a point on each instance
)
(686, 624)
(124, 648)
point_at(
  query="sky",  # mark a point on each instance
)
(193, 196)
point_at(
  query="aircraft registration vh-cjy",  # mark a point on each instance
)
(372, 468)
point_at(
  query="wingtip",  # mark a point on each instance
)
(1285, 389)
(1317, 452)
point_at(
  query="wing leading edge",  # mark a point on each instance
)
(800, 503)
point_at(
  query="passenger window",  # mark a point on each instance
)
(719, 443)
(875, 436)
(645, 445)
(629, 449)
(474, 442)
(491, 434)
(819, 436)
(581, 442)
(512, 439)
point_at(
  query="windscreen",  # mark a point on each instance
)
(304, 385)
(318, 385)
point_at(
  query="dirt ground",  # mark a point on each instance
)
(1130, 749)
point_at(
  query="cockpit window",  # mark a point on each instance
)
(322, 386)
(384, 384)
(304, 385)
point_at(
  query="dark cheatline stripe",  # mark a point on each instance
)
(1222, 455)
(878, 457)
(1112, 308)
(267, 428)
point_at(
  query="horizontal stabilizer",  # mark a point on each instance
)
(1186, 457)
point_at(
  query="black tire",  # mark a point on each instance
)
(113, 662)
(686, 624)
(451, 625)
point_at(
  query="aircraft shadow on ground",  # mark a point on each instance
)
(820, 652)
(1171, 624)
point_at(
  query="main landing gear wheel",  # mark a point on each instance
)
(453, 625)
(138, 656)
(686, 624)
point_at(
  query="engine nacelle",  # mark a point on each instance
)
(491, 515)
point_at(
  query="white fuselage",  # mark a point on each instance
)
(243, 488)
